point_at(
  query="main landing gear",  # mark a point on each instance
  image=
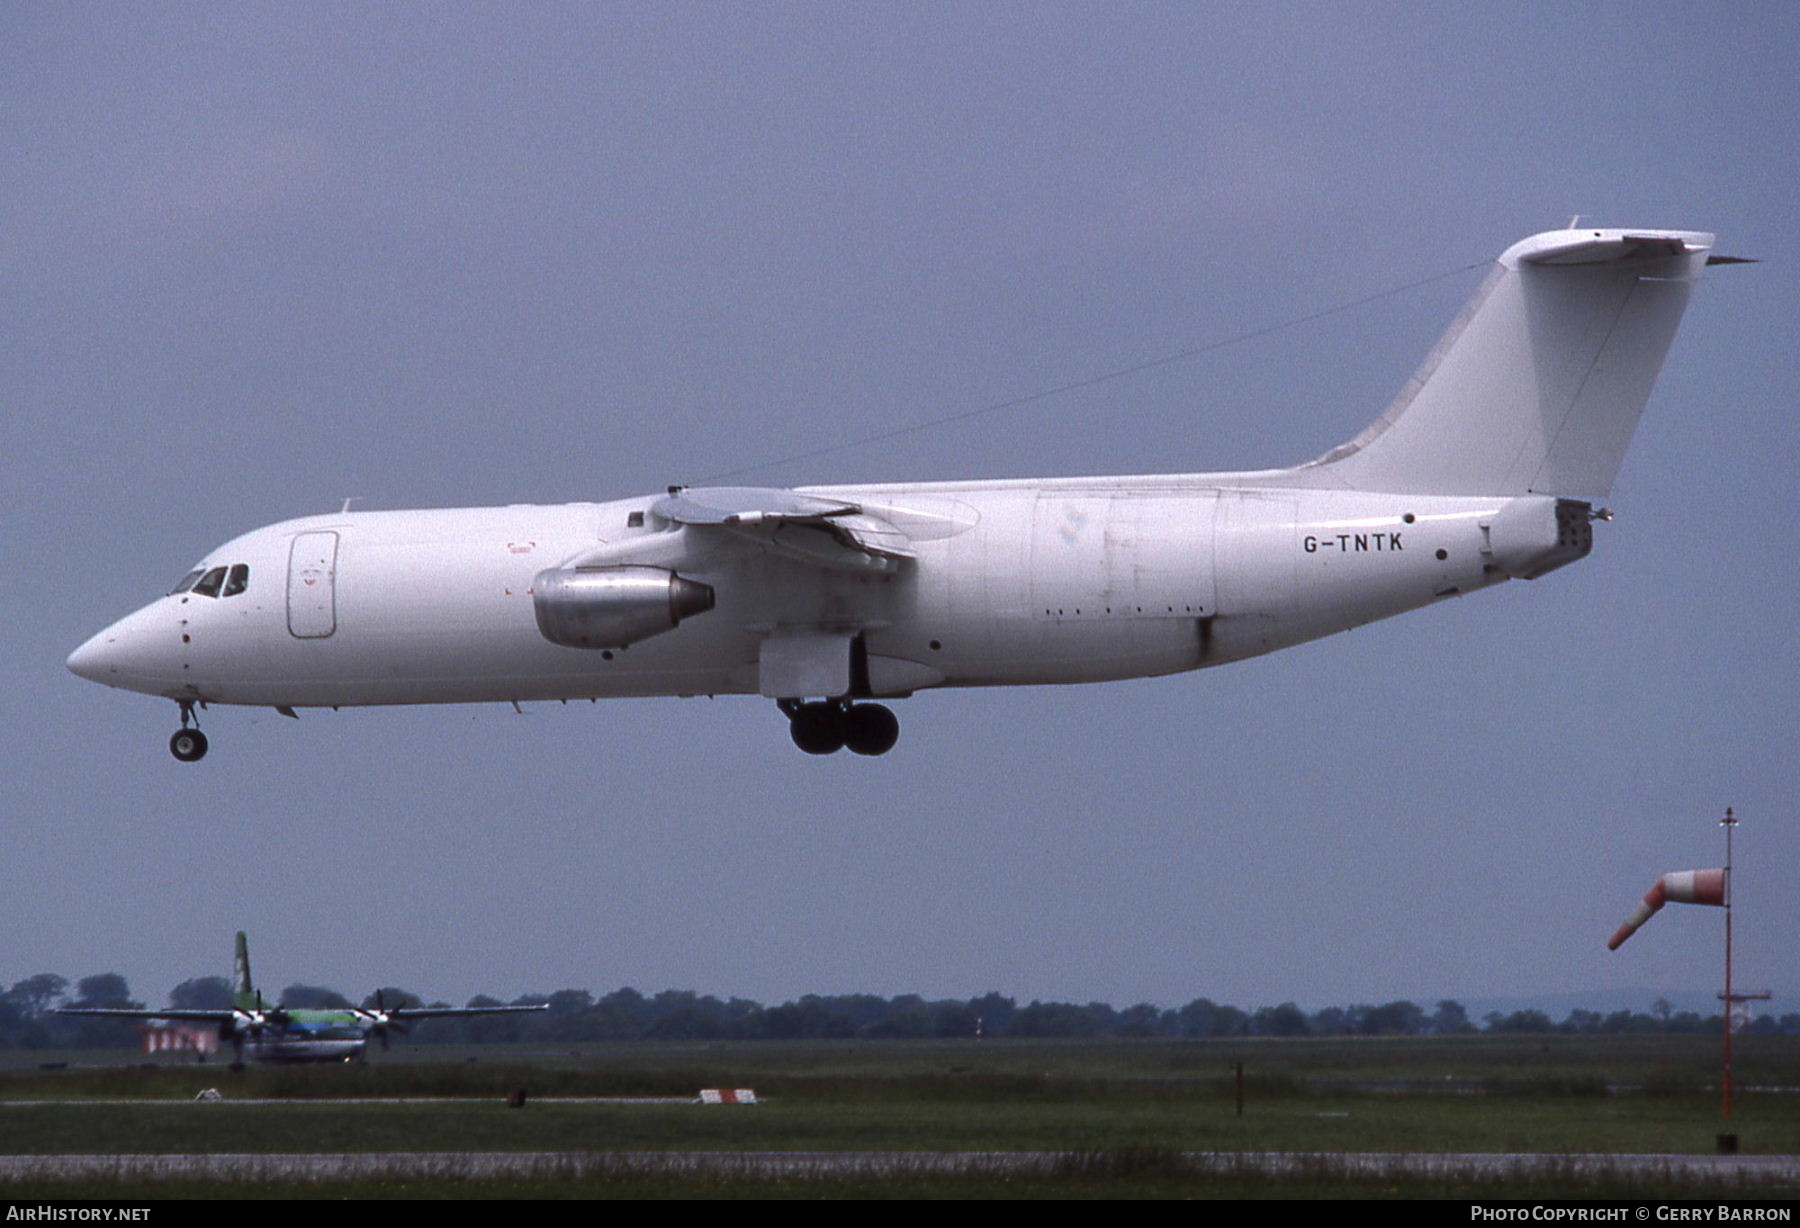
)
(826, 727)
(188, 745)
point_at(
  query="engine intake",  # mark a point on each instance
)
(610, 607)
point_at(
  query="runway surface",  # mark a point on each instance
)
(1761, 1168)
(339, 1102)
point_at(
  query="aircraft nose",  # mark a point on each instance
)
(96, 659)
(131, 654)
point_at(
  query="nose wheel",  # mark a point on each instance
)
(188, 744)
(826, 727)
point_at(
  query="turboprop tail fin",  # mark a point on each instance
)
(1539, 383)
(244, 996)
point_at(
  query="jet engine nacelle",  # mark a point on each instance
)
(610, 607)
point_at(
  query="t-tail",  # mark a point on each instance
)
(244, 996)
(1539, 383)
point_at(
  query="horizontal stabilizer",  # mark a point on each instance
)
(1573, 247)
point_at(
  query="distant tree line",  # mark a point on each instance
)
(575, 1016)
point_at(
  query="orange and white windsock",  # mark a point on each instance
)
(1679, 887)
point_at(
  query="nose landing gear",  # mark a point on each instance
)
(826, 727)
(188, 745)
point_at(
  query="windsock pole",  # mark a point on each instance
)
(1694, 887)
(1729, 822)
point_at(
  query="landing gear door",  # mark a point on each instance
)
(312, 586)
(798, 663)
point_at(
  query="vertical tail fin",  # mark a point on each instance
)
(245, 996)
(1539, 383)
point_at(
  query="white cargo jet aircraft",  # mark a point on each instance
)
(824, 598)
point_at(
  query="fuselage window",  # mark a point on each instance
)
(237, 581)
(210, 582)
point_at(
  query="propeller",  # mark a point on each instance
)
(249, 1023)
(265, 1016)
(382, 1021)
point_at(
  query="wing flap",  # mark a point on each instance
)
(827, 533)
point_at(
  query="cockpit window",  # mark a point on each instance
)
(210, 582)
(187, 582)
(237, 581)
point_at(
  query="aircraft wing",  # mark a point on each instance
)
(825, 532)
(433, 1012)
(195, 1016)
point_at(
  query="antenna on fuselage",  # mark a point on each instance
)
(348, 500)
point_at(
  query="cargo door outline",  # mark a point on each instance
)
(312, 586)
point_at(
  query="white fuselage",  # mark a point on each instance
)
(826, 597)
(1012, 583)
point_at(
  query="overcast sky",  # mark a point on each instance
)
(260, 258)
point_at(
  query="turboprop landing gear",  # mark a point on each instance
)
(826, 727)
(188, 745)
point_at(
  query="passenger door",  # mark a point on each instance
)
(312, 586)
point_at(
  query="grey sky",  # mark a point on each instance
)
(261, 258)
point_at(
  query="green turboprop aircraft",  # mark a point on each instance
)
(277, 1034)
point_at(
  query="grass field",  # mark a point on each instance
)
(1119, 1113)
